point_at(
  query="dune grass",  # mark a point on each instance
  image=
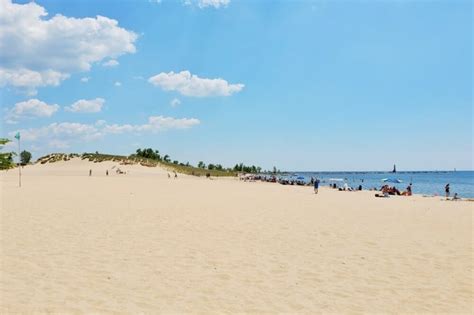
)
(133, 160)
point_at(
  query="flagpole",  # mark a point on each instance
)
(19, 163)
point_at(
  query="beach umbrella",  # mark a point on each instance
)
(392, 180)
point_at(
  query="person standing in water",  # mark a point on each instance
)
(316, 185)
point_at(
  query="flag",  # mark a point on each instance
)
(17, 136)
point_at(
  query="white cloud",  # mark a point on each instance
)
(27, 79)
(155, 124)
(213, 3)
(116, 129)
(191, 85)
(63, 130)
(175, 102)
(207, 3)
(85, 79)
(87, 106)
(117, 83)
(65, 133)
(58, 144)
(100, 122)
(37, 51)
(31, 108)
(111, 63)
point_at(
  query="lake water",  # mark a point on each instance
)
(426, 183)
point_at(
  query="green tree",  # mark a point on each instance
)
(201, 164)
(25, 157)
(148, 153)
(6, 159)
(167, 158)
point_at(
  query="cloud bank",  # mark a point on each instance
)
(66, 132)
(36, 51)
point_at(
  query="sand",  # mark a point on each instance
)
(143, 243)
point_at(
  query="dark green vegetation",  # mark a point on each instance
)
(25, 157)
(201, 169)
(55, 157)
(6, 159)
(152, 158)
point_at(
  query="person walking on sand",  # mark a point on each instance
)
(90, 172)
(446, 189)
(106, 172)
(316, 185)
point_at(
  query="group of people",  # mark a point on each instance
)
(447, 190)
(386, 190)
(118, 171)
(392, 190)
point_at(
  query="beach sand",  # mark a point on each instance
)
(143, 243)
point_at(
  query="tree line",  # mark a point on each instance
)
(149, 153)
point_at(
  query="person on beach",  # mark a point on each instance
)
(316, 185)
(106, 172)
(446, 189)
(175, 175)
(90, 172)
(346, 187)
(407, 192)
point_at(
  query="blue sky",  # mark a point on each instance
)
(302, 85)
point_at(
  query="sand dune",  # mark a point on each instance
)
(143, 243)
